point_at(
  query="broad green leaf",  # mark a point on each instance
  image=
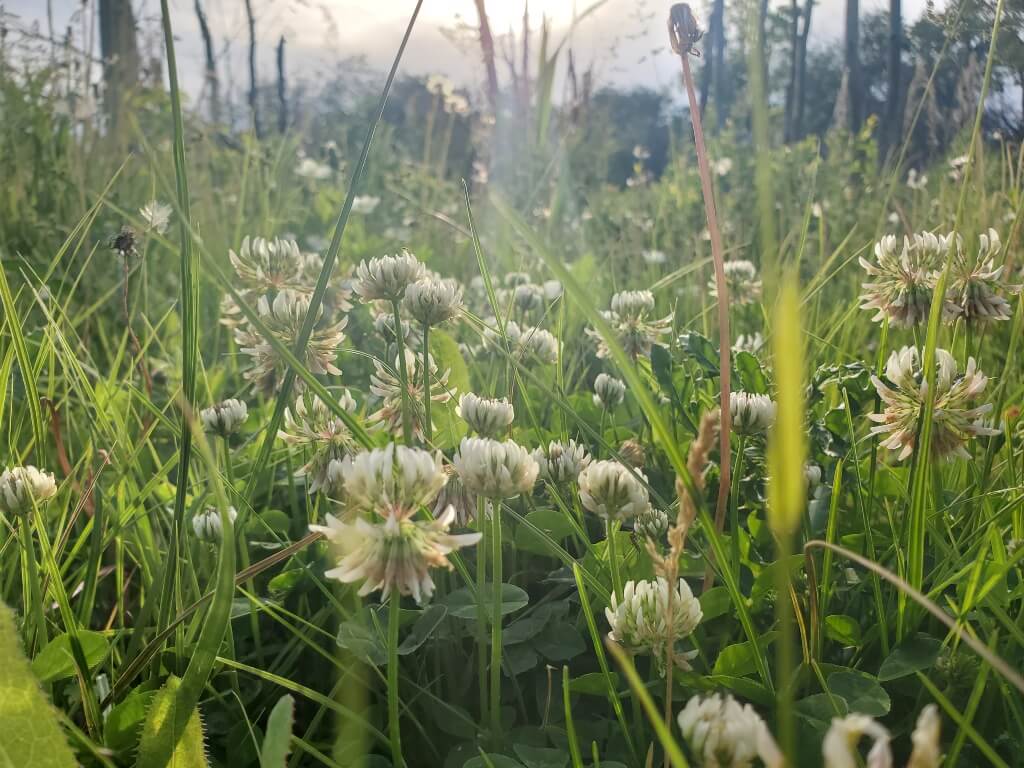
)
(593, 683)
(559, 641)
(912, 655)
(277, 741)
(541, 757)
(124, 721)
(362, 640)
(462, 604)
(738, 660)
(448, 428)
(428, 620)
(701, 351)
(29, 731)
(714, 603)
(189, 752)
(843, 629)
(55, 662)
(751, 376)
(861, 691)
(492, 761)
(820, 708)
(553, 522)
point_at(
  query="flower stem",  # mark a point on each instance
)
(403, 373)
(734, 508)
(427, 431)
(36, 637)
(611, 528)
(496, 595)
(481, 582)
(394, 731)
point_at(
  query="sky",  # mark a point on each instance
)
(624, 40)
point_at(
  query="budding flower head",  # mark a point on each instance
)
(394, 555)
(904, 277)
(956, 418)
(651, 524)
(487, 417)
(751, 414)
(839, 745)
(639, 622)
(612, 491)
(393, 481)
(432, 301)
(268, 265)
(23, 487)
(741, 281)
(495, 470)
(207, 524)
(561, 463)
(976, 283)
(727, 734)
(323, 435)
(387, 277)
(224, 418)
(609, 392)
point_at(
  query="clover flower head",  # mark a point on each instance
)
(395, 554)
(631, 305)
(956, 417)
(927, 751)
(387, 277)
(266, 266)
(976, 283)
(528, 297)
(639, 622)
(904, 273)
(23, 487)
(538, 344)
(609, 392)
(751, 414)
(634, 328)
(749, 342)
(224, 418)
(839, 745)
(364, 205)
(485, 416)
(561, 462)
(157, 216)
(432, 301)
(741, 280)
(206, 525)
(386, 384)
(455, 495)
(654, 257)
(633, 453)
(613, 491)
(727, 734)
(495, 470)
(652, 524)
(322, 434)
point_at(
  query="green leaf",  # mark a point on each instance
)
(552, 522)
(819, 709)
(661, 367)
(189, 751)
(422, 629)
(277, 741)
(843, 629)
(29, 730)
(750, 374)
(55, 662)
(523, 630)
(448, 428)
(492, 761)
(124, 721)
(462, 604)
(714, 603)
(912, 655)
(701, 351)
(861, 691)
(541, 757)
(739, 659)
(593, 683)
(560, 642)
(363, 641)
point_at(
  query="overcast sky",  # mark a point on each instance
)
(624, 40)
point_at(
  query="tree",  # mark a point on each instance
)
(210, 74)
(894, 110)
(254, 103)
(851, 60)
(120, 53)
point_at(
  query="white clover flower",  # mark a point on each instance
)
(640, 624)
(495, 470)
(915, 180)
(741, 280)
(976, 284)
(455, 495)
(552, 289)
(633, 453)
(609, 392)
(538, 344)
(387, 277)
(386, 384)
(812, 476)
(749, 342)
(207, 524)
(654, 257)
(283, 318)
(365, 204)
(561, 463)
(23, 487)
(512, 279)
(839, 745)
(394, 481)
(751, 414)
(384, 325)
(394, 555)
(312, 169)
(487, 417)
(224, 418)
(156, 215)
(955, 419)
(323, 436)
(904, 277)
(634, 328)
(613, 491)
(727, 734)
(651, 524)
(927, 747)
(722, 166)
(267, 266)
(432, 301)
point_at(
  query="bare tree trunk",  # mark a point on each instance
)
(282, 91)
(894, 113)
(855, 89)
(789, 126)
(487, 46)
(801, 71)
(210, 75)
(254, 106)
(120, 53)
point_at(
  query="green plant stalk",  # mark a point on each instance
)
(611, 527)
(428, 432)
(394, 703)
(35, 632)
(570, 727)
(481, 617)
(403, 373)
(734, 507)
(784, 651)
(496, 600)
(243, 543)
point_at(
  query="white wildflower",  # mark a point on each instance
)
(266, 266)
(157, 216)
(432, 302)
(387, 277)
(561, 463)
(751, 414)
(393, 481)
(207, 524)
(386, 384)
(609, 392)
(927, 747)
(741, 280)
(365, 204)
(839, 745)
(224, 418)
(613, 491)
(639, 622)
(495, 470)
(727, 734)
(485, 416)
(23, 487)
(323, 435)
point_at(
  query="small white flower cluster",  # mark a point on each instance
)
(613, 491)
(839, 748)
(741, 282)
(225, 418)
(325, 438)
(751, 414)
(157, 216)
(431, 301)
(208, 527)
(651, 524)
(561, 462)
(609, 392)
(727, 734)
(635, 329)
(386, 384)
(639, 622)
(21, 488)
(386, 278)
(495, 470)
(487, 417)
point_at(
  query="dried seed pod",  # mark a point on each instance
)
(684, 31)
